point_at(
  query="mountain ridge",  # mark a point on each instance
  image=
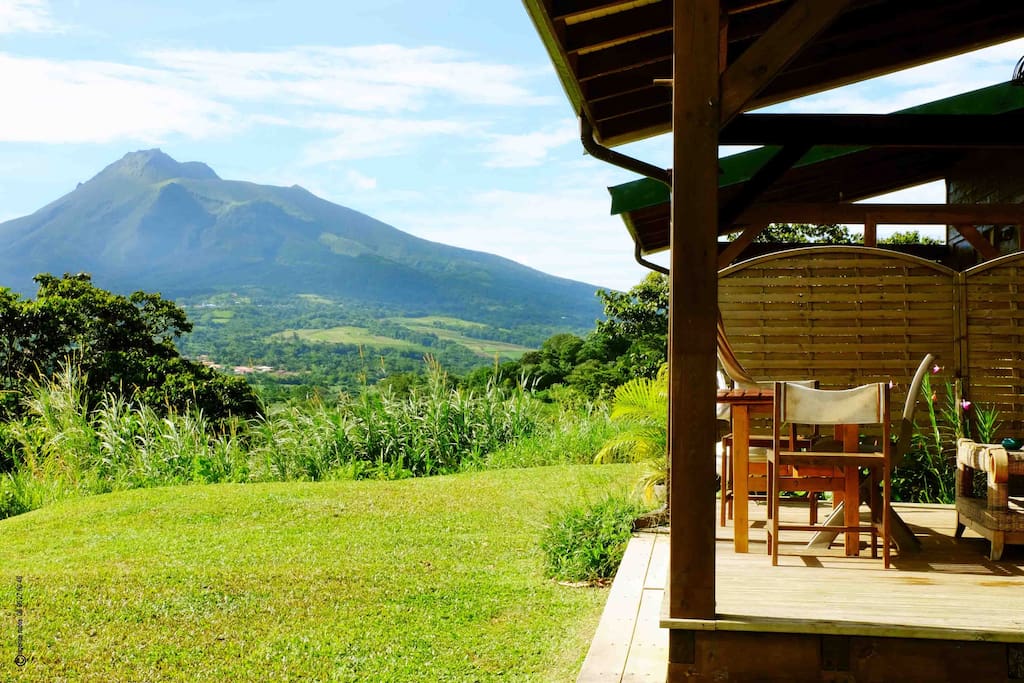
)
(150, 222)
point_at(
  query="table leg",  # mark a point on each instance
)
(851, 497)
(740, 467)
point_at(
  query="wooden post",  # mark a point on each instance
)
(870, 231)
(693, 296)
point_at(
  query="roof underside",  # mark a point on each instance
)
(609, 53)
(824, 174)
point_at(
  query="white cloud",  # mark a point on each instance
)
(530, 149)
(363, 137)
(29, 16)
(363, 98)
(370, 78)
(360, 181)
(74, 102)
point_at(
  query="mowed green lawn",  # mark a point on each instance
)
(435, 579)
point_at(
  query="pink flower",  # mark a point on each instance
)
(936, 369)
(965, 404)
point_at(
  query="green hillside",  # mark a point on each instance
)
(149, 222)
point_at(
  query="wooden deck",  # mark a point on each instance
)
(948, 598)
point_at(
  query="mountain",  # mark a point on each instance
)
(149, 222)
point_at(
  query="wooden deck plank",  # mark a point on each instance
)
(606, 659)
(648, 651)
(948, 590)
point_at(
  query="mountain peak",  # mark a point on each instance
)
(153, 165)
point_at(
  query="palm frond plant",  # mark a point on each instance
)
(640, 406)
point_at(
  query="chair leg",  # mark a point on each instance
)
(873, 508)
(773, 512)
(886, 517)
(726, 496)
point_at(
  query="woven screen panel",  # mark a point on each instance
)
(842, 315)
(994, 339)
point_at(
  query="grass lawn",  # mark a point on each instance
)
(434, 579)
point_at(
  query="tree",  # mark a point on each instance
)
(122, 345)
(804, 233)
(636, 326)
(909, 237)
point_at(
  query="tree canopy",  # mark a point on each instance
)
(122, 344)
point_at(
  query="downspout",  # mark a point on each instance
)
(619, 159)
(629, 163)
(638, 255)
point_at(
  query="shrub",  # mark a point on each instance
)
(586, 542)
(927, 472)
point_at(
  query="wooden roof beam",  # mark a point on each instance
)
(984, 248)
(763, 60)
(783, 160)
(613, 29)
(624, 56)
(877, 130)
(826, 65)
(570, 10)
(625, 83)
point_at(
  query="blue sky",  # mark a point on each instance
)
(442, 118)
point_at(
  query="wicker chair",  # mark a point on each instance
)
(999, 515)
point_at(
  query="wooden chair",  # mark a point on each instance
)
(837, 471)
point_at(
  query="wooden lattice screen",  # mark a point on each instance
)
(841, 315)
(850, 315)
(993, 346)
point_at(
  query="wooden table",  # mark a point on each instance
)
(742, 403)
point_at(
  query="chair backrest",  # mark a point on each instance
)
(909, 407)
(798, 404)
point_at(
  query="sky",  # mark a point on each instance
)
(442, 118)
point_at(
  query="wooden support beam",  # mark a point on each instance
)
(772, 170)
(878, 130)
(763, 60)
(870, 231)
(693, 316)
(985, 248)
(892, 214)
(736, 247)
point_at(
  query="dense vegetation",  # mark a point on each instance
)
(317, 345)
(72, 442)
(120, 345)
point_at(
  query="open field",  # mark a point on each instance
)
(348, 334)
(433, 321)
(433, 579)
(448, 329)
